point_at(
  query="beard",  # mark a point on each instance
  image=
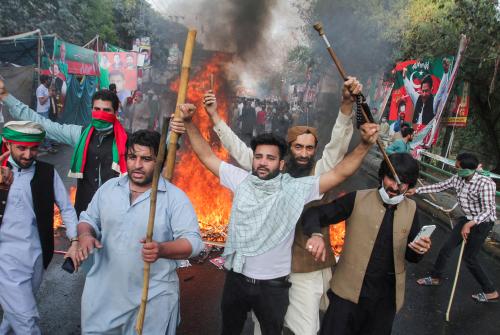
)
(270, 175)
(299, 170)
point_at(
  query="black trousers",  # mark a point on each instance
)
(269, 303)
(474, 242)
(368, 317)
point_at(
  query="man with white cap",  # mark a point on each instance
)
(26, 226)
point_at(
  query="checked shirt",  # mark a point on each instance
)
(476, 197)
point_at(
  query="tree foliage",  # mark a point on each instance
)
(78, 21)
(372, 34)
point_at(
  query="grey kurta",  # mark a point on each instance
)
(112, 291)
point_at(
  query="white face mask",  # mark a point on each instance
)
(387, 199)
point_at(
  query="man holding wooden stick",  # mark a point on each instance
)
(266, 207)
(113, 227)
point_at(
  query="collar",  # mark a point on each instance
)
(13, 165)
(123, 181)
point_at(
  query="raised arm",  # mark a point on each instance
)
(409, 88)
(198, 143)
(236, 147)
(63, 133)
(350, 164)
(336, 149)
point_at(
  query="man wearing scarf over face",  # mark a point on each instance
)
(368, 284)
(476, 196)
(99, 148)
(26, 226)
(265, 210)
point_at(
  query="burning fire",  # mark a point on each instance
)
(57, 214)
(337, 235)
(211, 201)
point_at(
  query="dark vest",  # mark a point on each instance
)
(99, 160)
(428, 113)
(42, 191)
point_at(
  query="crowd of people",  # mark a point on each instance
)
(277, 257)
(253, 116)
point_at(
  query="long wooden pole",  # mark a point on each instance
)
(168, 169)
(186, 63)
(455, 281)
(151, 222)
(319, 28)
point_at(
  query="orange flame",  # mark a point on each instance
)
(211, 201)
(337, 235)
(57, 214)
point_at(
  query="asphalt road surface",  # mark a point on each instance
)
(201, 288)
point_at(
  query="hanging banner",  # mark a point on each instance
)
(72, 59)
(459, 106)
(379, 92)
(143, 47)
(119, 68)
(428, 136)
(419, 88)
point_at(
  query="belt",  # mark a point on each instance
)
(275, 282)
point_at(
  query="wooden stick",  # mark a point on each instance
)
(455, 281)
(168, 168)
(211, 81)
(319, 28)
(151, 222)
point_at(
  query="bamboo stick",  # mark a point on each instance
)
(151, 221)
(455, 281)
(168, 169)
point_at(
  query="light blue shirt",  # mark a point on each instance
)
(21, 265)
(112, 291)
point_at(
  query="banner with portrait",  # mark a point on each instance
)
(119, 68)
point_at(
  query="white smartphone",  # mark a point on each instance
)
(425, 231)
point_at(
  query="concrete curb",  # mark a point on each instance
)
(491, 246)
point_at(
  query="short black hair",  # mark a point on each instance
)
(270, 139)
(112, 87)
(468, 161)
(146, 138)
(44, 79)
(405, 131)
(107, 95)
(427, 80)
(405, 165)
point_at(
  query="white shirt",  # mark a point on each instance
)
(42, 92)
(276, 262)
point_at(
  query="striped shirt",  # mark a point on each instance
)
(476, 197)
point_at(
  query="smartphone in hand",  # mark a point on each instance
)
(425, 231)
(68, 265)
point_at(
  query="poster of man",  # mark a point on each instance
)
(421, 85)
(119, 68)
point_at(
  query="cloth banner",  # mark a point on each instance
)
(379, 92)
(78, 104)
(119, 68)
(459, 106)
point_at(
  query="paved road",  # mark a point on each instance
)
(201, 287)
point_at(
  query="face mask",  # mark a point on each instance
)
(464, 173)
(387, 199)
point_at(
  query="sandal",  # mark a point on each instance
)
(482, 298)
(428, 281)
